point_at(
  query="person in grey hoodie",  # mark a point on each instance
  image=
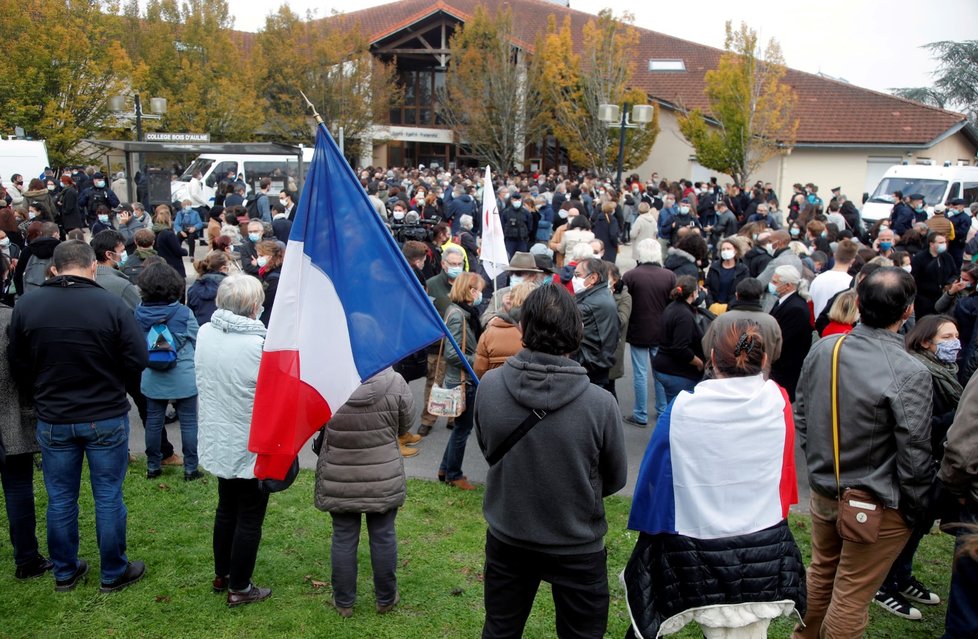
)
(543, 501)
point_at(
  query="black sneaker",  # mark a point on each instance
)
(153, 474)
(895, 604)
(35, 568)
(192, 476)
(64, 585)
(134, 572)
(919, 593)
(630, 419)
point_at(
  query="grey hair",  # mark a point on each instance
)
(582, 251)
(790, 275)
(648, 251)
(452, 250)
(241, 294)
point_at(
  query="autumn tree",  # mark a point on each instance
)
(487, 98)
(751, 110)
(188, 53)
(574, 81)
(330, 61)
(955, 80)
(61, 64)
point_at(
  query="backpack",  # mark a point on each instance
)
(36, 272)
(251, 206)
(161, 344)
(514, 226)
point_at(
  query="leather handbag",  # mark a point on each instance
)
(448, 402)
(860, 511)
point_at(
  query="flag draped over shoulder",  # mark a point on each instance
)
(720, 462)
(347, 307)
(493, 252)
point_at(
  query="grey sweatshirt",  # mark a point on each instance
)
(546, 493)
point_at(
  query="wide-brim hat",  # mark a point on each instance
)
(544, 262)
(523, 262)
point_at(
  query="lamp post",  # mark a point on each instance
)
(611, 115)
(117, 104)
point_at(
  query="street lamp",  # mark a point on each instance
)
(157, 106)
(611, 115)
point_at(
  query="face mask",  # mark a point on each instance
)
(477, 299)
(5, 242)
(262, 261)
(770, 249)
(563, 214)
(517, 204)
(824, 234)
(122, 258)
(886, 246)
(728, 254)
(453, 272)
(515, 280)
(398, 215)
(254, 237)
(99, 184)
(104, 219)
(282, 202)
(578, 284)
(947, 351)
(941, 248)
(771, 288)
(683, 210)
(919, 209)
(31, 215)
(50, 187)
(907, 268)
(969, 284)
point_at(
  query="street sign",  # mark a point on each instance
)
(156, 136)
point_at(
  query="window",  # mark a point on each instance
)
(200, 164)
(666, 65)
(970, 192)
(420, 98)
(220, 171)
(932, 190)
(275, 170)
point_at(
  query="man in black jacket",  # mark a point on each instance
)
(600, 315)
(932, 270)
(74, 343)
(794, 318)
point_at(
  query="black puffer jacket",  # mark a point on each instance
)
(670, 574)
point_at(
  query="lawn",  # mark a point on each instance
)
(441, 533)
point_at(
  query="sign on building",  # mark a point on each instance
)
(157, 136)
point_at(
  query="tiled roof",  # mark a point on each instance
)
(830, 112)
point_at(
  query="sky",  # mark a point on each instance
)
(870, 43)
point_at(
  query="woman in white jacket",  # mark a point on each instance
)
(229, 350)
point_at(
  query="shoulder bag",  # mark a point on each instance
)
(449, 402)
(860, 511)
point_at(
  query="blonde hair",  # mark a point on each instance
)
(460, 287)
(844, 309)
(162, 215)
(518, 294)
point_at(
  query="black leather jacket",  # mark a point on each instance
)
(600, 316)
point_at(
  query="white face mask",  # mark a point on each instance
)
(770, 249)
(728, 254)
(398, 215)
(517, 204)
(515, 280)
(578, 284)
(907, 268)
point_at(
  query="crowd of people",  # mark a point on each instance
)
(759, 324)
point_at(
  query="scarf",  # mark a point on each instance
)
(945, 376)
(472, 319)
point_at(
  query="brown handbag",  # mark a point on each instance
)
(860, 511)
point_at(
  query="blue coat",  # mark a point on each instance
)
(185, 218)
(177, 382)
(202, 296)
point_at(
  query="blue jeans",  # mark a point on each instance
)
(451, 460)
(641, 363)
(155, 416)
(17, 475)
(962, 601)
(672, 385)
(106, 445)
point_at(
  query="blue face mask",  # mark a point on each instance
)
(795, 232)
(886, 246)
(941, 248)
(477, 299)
(772, 289)
(254, 237)
(453, 272)
(947, 351)
(104, 219)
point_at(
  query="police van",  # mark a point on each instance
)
(250, 169)
(937, 184)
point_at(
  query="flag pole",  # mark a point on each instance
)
(404, 264)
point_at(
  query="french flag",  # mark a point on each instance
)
(347, 307)
(721, 462)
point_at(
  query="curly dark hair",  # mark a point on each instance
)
(160, 282)
(695, 245)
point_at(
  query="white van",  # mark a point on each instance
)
(27, 157)
(937, 184)
(251, 168)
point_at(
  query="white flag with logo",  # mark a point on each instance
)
(493, 254)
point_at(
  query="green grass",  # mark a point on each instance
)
(441, 534)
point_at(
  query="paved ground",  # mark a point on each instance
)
(425, 465)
